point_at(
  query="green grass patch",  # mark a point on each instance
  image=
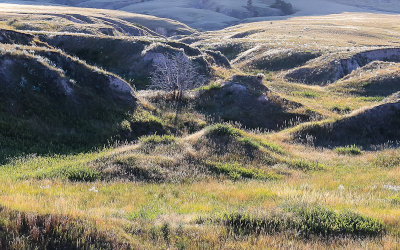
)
(348, 150)
(158, 139)
(71, 173)
(372, 98)
(236, 171)
(211, 86)
(303, 221)
(305, 165)
(223, 130)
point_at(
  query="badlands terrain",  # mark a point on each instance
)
(218, 14)
(289, 137)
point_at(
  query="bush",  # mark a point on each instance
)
(348, 150)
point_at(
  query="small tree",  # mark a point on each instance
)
(174, 73)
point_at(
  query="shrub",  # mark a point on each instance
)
(326, 222)
(348, 150)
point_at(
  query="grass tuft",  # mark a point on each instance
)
(236, 171)
(348, 150)
(223, 130)
(158, 139)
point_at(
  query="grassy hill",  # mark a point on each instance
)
(291, 142)
(88, 21)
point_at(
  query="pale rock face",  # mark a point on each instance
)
(119, 85)
(67, 89)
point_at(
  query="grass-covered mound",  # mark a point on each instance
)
(373, 80)
(374, 126)
(217, 152)
(51, 102)
(228, 150)
(245, 99)
(269, 59)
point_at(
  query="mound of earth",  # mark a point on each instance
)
(374, 79)
(247, 100)
(375, 126)
(198, 156)
(50, 101)
(325, 70)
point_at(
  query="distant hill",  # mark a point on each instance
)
(218, 14)
(32, 16)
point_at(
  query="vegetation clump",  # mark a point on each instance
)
(236, 171)
(348, 150)
(304, 221)
(223, 130)
(158, 139)
(19, 230)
